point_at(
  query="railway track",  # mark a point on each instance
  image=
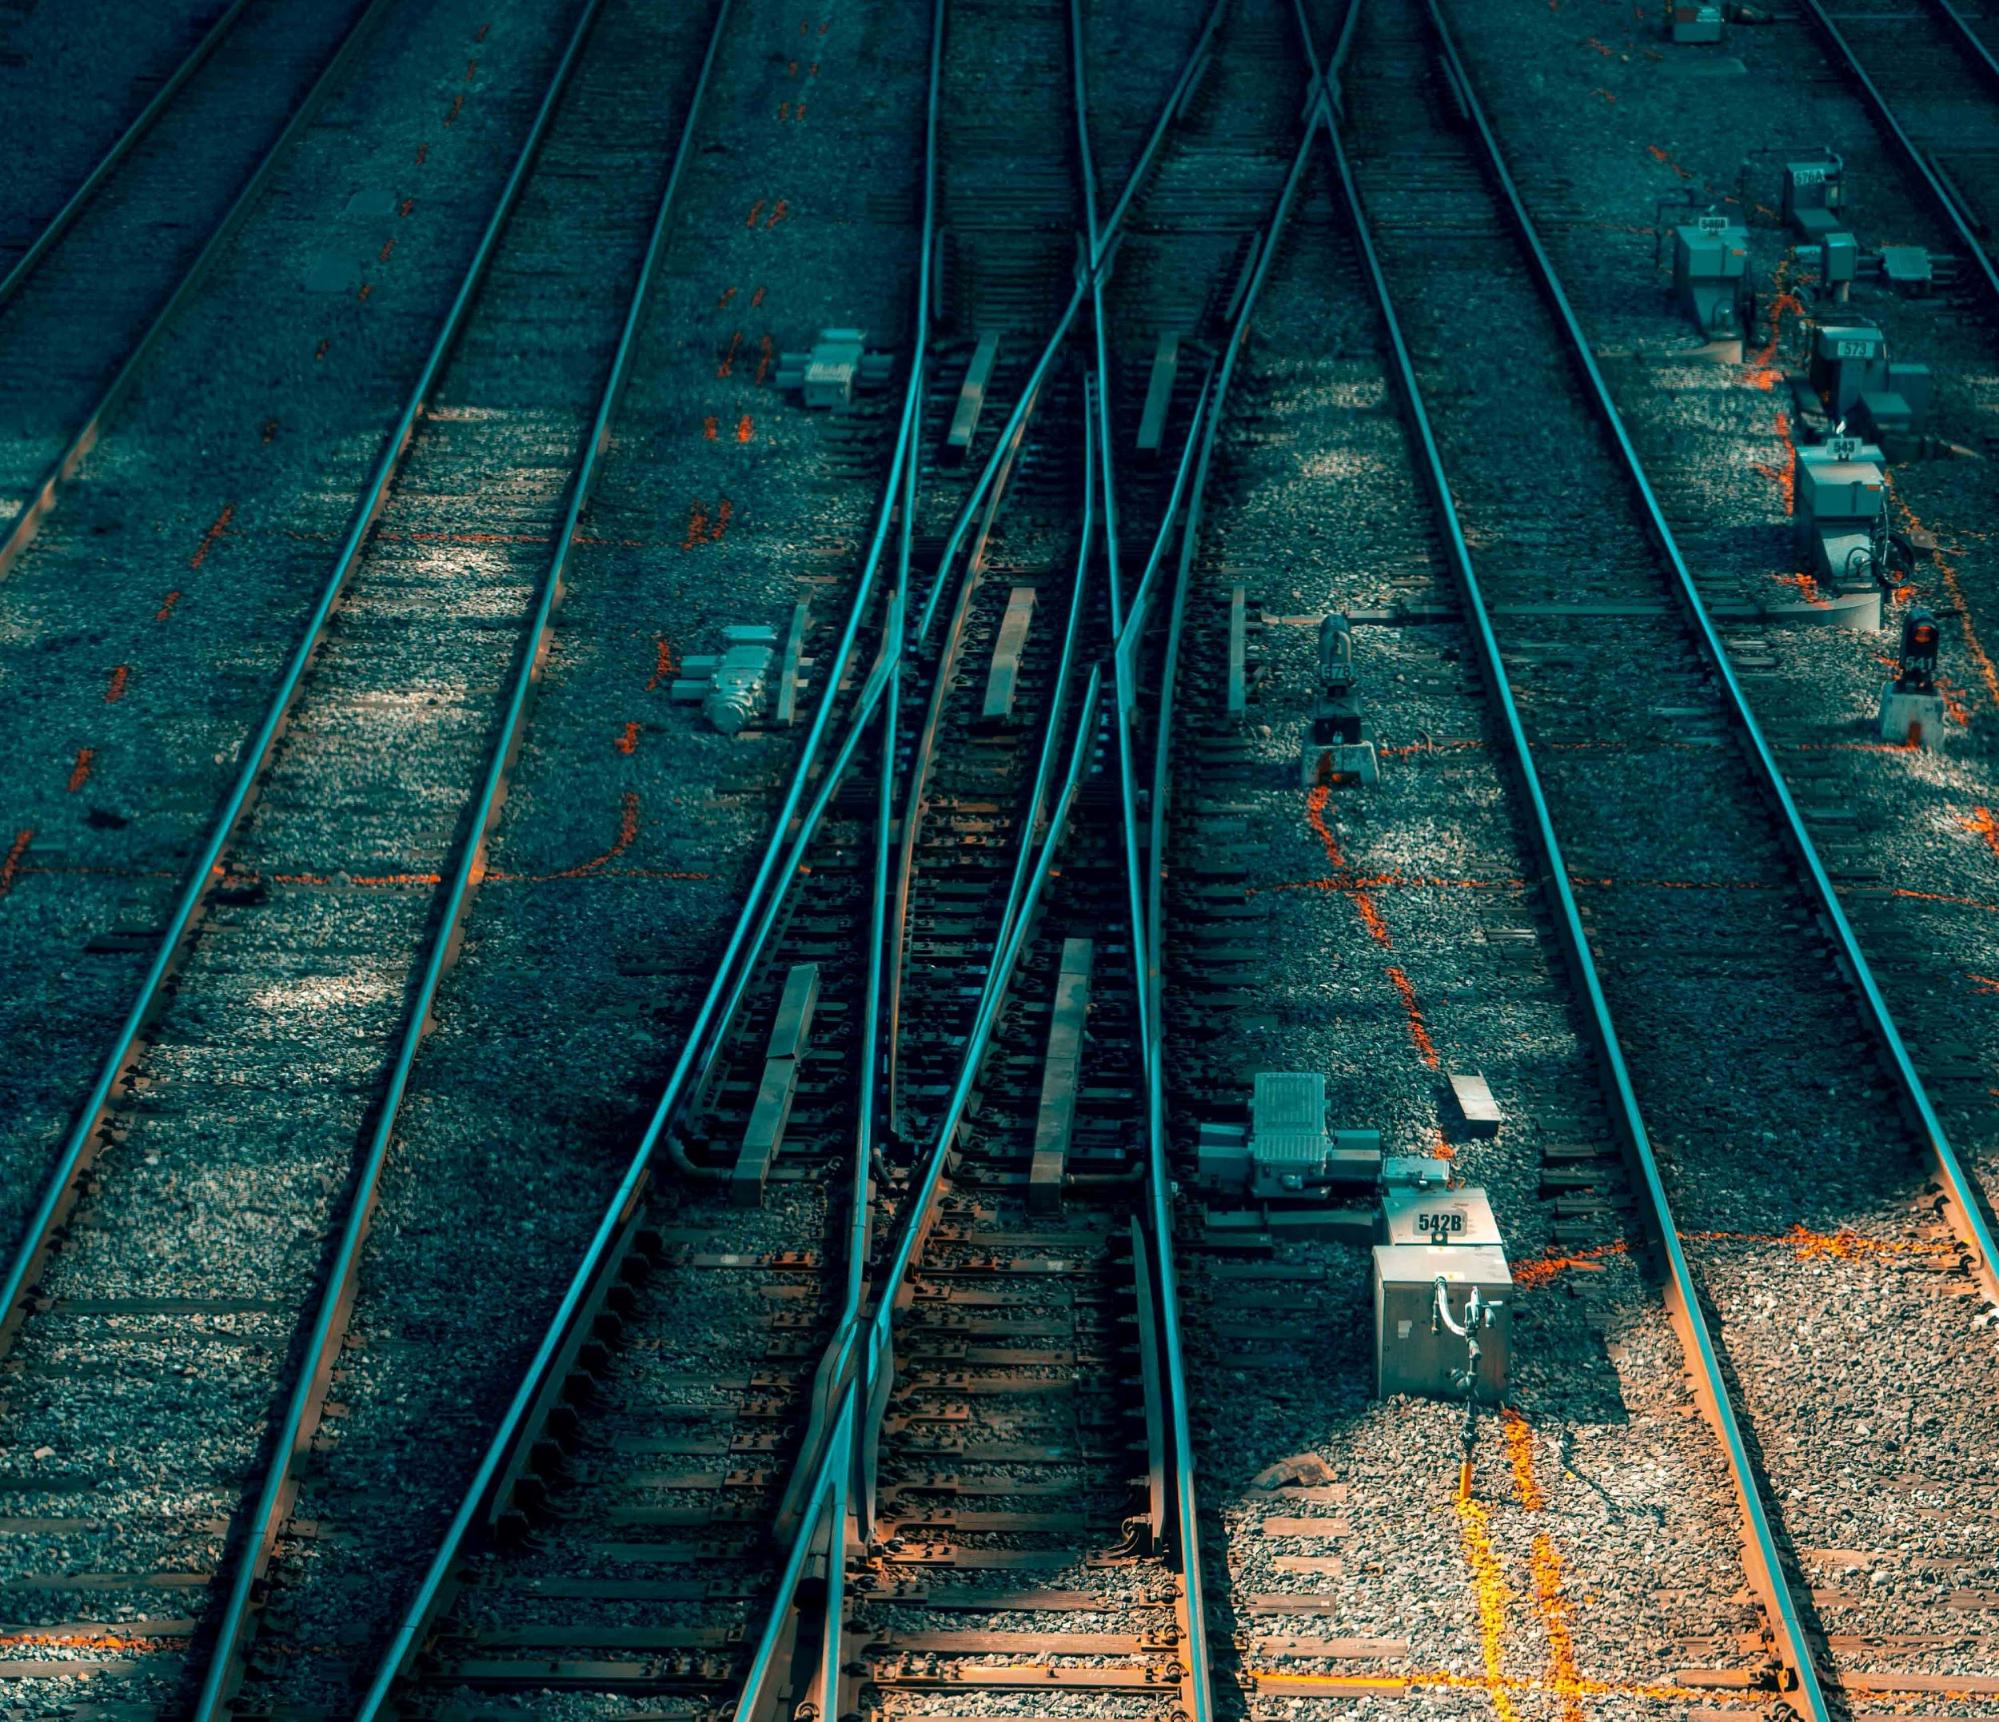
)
(576, 1603)
(1124, 1625)
(1390, 934)
(1011, 212)
(1737, 914)
(152, 616)
(916, 1212)
(1010, 1514)
(1435, 226)
(645, 913)
(1899, 831)
(117, 1324)
(84, 302)
(81, 107)
(1929, 78)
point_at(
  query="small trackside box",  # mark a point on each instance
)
(1710, 254)
(1839, 490)
(1414, 1353)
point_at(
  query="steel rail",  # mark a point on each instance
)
(714, 1023)
(1124, 668)
(625, 1198)
(1961, 1194)
(617, 1222)
(58, 224)
(1004, 453)
(1147, 913)
(832, 1654)
(1100, 324)
(868, 1346)
(1969, 38)
(27, 522)
(1763, 1564)
(1106, 460)
(827, 1386)
(1028, 849)
(1939, 193)
(302, 1415)
(1762, 1561)
(859, 1369)
(1097, 247)
(861, 1222)
(1148, 936)
(1044, 770)
(78, 1148)
(744, 937)
(828, 1381)
(833, 1382)
(1097, 256)
(875, 1073)
(1009, 436)
(925, 754)
(881, 694)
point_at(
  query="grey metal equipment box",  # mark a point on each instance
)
(1288, 1126)
(1424, 1228)
(1695, 22)
(1710, 259)
(1831, 489)
(1290, 1149)
(1711, 253)
(1413, 1353)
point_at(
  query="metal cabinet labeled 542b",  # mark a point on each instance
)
(1437, 1250)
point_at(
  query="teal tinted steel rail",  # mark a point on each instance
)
(867, 1346)
(78, 1146)
(27, 522)
(1762, 1560)
(1962, 1199)
(302, 1413)
(59, 223)
(1918, 162)
(1146, 887)
(786, 847)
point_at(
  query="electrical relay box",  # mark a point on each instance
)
(1437, 1250)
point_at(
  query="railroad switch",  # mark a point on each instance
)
(1861, 387)
(1337, 744)
(1842, 526)
(753, 679)
(1710, 275)
(1442, 1324)
(838, 365)
(1911, 708)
